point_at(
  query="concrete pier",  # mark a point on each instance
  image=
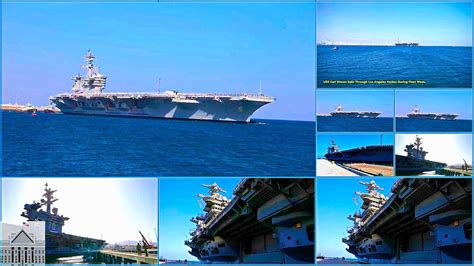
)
(454, 172)
(116, 257)
(327, 168)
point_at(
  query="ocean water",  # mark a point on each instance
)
(431, 125)
(353, 124)
(69, 145)
(447, 67)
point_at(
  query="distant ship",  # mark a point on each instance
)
(59, 244)
(415, 113)
(87, 98)
(414, 162)
(423, 221)
(360, 114)
(398, 43)
(267, 221)
(376, 154)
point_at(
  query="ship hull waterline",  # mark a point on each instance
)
(208, 110)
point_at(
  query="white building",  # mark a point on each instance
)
(24, 245)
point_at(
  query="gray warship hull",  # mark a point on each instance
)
(268, 221)
(377, 154)
(412, 166)
(64, 245)
(232, 108)
(87, 98)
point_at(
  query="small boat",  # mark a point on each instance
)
(33, 113)
(334, 48)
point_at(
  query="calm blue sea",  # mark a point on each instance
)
(448, 67)
(68, 145)
(352, 124)
(431, 125)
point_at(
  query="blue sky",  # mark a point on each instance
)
(430, 24)
(436, 101)
(221, 48)
(335, 202)
(178, 204)
(349, 141)
(97, 207)
(361, 100)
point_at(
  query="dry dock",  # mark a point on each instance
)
(327, 168)
(116, 257)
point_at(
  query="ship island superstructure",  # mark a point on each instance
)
(416, 113)
(339, 111)
(57, 242)
(88, 98)
(425, 221)
(267, 221)
(415, 161)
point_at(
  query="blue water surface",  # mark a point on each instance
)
(447, 67)
(69, 145)
(432, 125)
(353, 124)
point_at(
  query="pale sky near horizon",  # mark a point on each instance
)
(113, 209)
(428, 23)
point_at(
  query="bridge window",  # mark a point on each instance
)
(221, 245)
(379, 242)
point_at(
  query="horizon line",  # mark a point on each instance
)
(342, 44)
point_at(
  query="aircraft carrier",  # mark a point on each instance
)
(398, 43)
(359, 114)
(88, 98)
(416, 113)
(58, 244)
(414, 162)
(376, 154)
(267, 221)
(423, 221)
